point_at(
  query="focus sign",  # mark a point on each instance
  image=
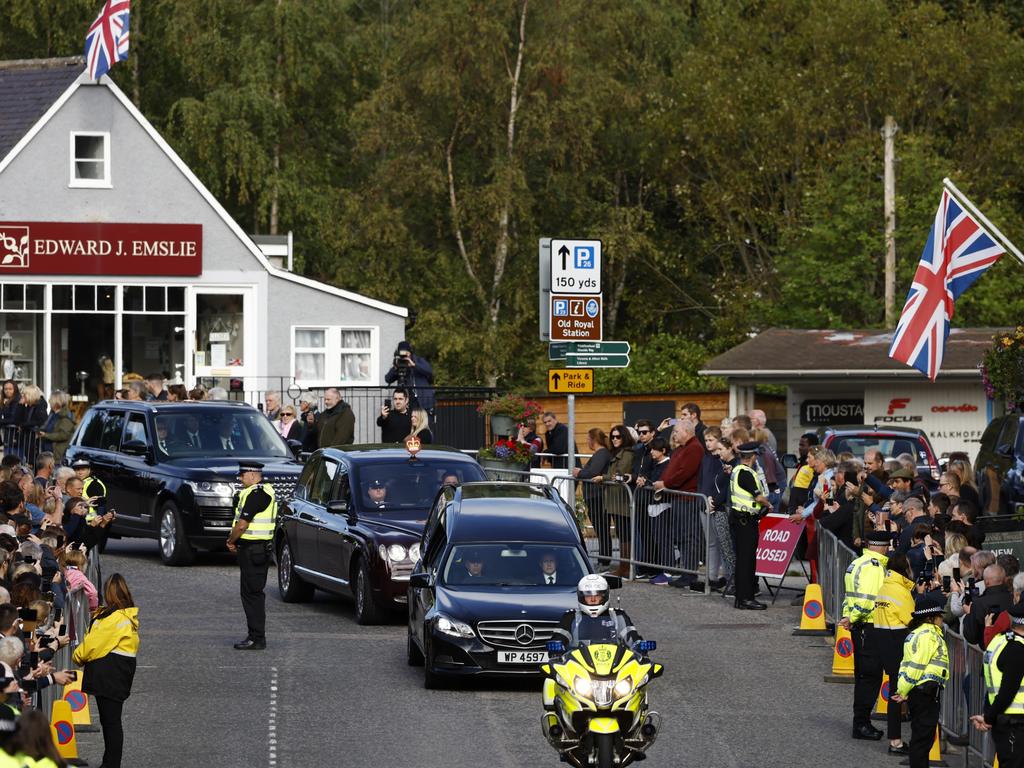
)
(575, 318)
(576, 267)
(570, 381)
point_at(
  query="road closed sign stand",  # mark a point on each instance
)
(776, 543)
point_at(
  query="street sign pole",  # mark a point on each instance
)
(571, 405)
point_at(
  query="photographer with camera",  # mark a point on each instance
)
(413, 373)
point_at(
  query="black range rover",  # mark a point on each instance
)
(171, 469)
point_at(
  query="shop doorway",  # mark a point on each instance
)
(78, 344)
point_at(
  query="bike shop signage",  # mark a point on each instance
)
(776, 544)
(952, 415)
(84, 248)
(824, 413)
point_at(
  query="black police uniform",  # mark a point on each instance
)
(253, 564)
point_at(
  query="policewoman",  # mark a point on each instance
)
(864, 579)
(749, 500)
(1004, 675)
(251, 538)
(92, 487)
(924, 672)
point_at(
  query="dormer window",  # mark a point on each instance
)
(90, 159)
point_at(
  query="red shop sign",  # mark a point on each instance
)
(77, 248)
(776, 543)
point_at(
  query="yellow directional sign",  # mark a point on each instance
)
(570, 381)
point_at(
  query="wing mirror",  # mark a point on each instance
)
(135, 448)
(790, 461)
(1006, 451)
(614, 582)
(419, 580)
(341, 507)
(296, 447)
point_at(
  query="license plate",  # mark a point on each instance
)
(522, 657)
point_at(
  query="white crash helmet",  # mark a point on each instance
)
(589, 585)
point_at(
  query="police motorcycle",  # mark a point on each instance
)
(595, 687)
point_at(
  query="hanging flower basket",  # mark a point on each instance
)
(1002, 368)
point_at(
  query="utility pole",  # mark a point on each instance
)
(888, 133)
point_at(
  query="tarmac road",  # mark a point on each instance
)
(739, 690)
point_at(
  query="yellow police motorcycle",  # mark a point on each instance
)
(595, 703)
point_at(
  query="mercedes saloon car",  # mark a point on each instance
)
(498, 569)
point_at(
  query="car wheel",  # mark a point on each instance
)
(367, 610)
(174, 546)
(289, 584)
(414, 654)
(431, 680)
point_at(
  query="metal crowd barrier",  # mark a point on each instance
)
(605, 513)
(834, 557)
(515, 475)
(671, 531)
(23, 442)
(965, 696)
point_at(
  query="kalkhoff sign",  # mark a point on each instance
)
(77, 248)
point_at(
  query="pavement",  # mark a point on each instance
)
(739, 690)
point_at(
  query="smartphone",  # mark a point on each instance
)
(72, 674)
(387, 403)
(27, 614)
(946, 583)
(956, 573)
(33, 659)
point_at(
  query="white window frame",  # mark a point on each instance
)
(77, 183)
(333, 351)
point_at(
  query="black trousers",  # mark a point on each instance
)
(113, 733)
(253, 563)
(1009, 741)
(890, 650)
(924, 718)
(744, 537)
(867, 672)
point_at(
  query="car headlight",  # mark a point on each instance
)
(582, 686)
(397, 552)
(623, 688)
(414, 552)
(207, 488)
(453, 627)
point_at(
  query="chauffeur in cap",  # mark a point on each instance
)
(251, 537)
(749, 500)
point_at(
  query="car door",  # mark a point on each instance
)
(335, 541)
(132, 476)
(422, 598)
(307, 517)
(106, 465)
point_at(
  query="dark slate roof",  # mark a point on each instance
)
(27, 89)
(785, 353)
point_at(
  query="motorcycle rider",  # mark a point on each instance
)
(594, 620)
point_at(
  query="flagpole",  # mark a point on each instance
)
(962, 199)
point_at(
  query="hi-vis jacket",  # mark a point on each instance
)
(864, 580)
(925, 659)
(994, 676)
(895, 602)
(117, 632)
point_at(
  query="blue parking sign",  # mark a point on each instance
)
(560, 308)
(584, 255)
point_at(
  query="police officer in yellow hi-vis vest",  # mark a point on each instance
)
(924, 672)
(864, 580)
(748, 497)
(251, 537)
(92, 488)
(1004, 675)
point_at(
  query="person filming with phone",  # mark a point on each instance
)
(395, 420)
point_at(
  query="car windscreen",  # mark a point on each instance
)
(408, 487)
(209, 433)
(890, 446)
(514, 565)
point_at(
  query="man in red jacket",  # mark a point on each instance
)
(681, 474)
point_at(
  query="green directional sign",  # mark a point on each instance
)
(596, 361)
(557, 350)
(600, 347)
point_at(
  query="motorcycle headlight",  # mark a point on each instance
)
(414, 552)
(623, 688)
(453, 627)
(582, 686)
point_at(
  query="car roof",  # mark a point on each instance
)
(365, 454)
(874, 428)
(153, 405)
(490, 511)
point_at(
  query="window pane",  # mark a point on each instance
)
(85, 297)
(355, 339)
(88, 169)
(105, 297)
(112, 426)
(175, 299)
(89, 147)
(33, 297)
(155, 299)
(62, 297)
(14, 297)
(133, 298)
(310, 366)
(307, 337)
(355, 367)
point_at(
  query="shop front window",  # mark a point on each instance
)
(219, 330)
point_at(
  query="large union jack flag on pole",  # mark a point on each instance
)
(958, 251)
(107, 40)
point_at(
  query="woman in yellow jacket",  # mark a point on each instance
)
(108, 655)
(893, 607)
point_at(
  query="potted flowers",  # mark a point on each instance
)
(506, 459)
(508, 411)
(1002, 368)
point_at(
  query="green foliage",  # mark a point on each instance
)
(728, 154)
(1003, 367)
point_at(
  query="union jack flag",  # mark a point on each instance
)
(107, 40)
(958, 251)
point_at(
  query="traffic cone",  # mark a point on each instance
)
(882, 703)
(62, 728)
(79, 701)
(812, 618)
(842, 657)
(935, 755)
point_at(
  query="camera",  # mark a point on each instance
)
(620, 478)
(29, 686)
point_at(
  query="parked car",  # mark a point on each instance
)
(171, 469)
(999, 468)
(479, 599)
(355, 520)
(891, 441)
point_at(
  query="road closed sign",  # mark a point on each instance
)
(775, 545)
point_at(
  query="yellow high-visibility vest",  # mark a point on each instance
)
(742, 500)
(864, 580)
(261, 528)
(925, 659)
(994, 676)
